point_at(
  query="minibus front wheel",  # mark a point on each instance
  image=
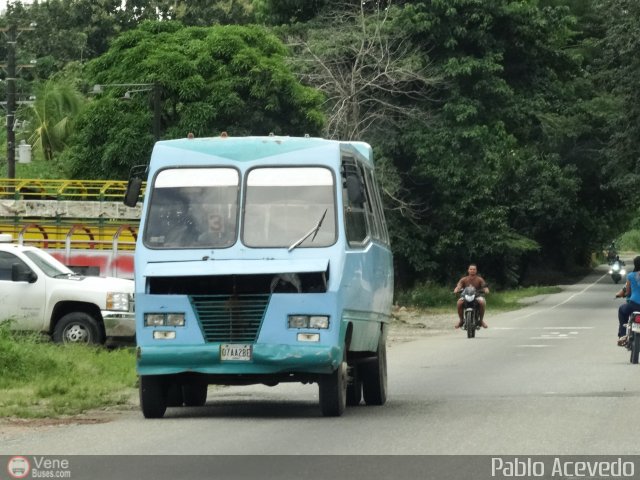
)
(333, 390)
(153, 395)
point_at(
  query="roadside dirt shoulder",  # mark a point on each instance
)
(409, 324)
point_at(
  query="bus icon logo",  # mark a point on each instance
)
(18, 467)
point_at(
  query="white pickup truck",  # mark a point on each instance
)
(39, 293)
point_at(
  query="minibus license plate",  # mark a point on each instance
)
(237, 352)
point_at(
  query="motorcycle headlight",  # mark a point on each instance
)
(623, 272)
(469, 298)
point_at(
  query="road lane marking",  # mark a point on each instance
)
(553, 307)
(542, 328)
(550, 337)
(567, 328)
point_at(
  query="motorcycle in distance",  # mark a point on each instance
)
(471, 311)
(617, 271)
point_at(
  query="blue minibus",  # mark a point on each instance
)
(261, 260)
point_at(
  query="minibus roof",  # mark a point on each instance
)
(245, 149)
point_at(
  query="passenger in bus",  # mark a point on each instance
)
(219, 232)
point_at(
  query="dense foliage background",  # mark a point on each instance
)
(506, 132)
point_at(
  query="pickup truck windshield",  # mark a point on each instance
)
(289, 207)
(49, 265)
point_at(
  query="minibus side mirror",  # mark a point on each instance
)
(133, 192)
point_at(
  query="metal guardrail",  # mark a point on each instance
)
(96, 190)
(82, 236)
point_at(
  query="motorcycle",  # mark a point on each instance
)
(632, 337)
(471, 311)
(617, 271)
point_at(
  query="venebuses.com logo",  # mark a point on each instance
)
(18, 467)
(38, 467)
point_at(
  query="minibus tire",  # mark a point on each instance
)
(175, 398)
(194, 394)
(333, 391)
(153, 396)
(354, 386)
(374, 376)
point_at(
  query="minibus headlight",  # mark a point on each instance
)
(298, 321)
(308, 321)
(118, 301)
(153, 319)
(175, 319)
(318, 321)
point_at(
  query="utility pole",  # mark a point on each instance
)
(11, 99)
(12, 31)
(157, 106)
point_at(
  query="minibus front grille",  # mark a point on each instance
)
(230, 318)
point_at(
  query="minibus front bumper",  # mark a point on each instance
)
(265, 359)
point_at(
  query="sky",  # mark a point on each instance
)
(3, 4)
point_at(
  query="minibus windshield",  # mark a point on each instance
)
(193, 208)
(290, 207)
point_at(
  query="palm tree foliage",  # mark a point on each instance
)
(51, 116)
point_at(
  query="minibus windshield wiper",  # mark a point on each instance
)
(313, 231)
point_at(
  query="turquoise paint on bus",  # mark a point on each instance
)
(262, 260)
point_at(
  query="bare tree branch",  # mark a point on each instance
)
(371, 76)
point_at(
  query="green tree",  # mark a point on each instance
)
(221, 78)
(487, 169)
(279, 12)
(51, 116)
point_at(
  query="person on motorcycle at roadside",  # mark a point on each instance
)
(474, 280)
(631, 290)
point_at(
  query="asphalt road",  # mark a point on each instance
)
(545, 380)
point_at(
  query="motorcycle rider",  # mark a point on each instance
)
(631, 289)
(473, 279)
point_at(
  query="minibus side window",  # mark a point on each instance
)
(355, 199)
(378, 212)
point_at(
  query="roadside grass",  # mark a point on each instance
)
(438, 299)
(40, 379)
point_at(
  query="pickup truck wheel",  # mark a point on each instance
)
(77, 327)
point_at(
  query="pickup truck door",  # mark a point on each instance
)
(22, 301)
